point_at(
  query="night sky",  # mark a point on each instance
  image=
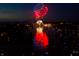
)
(24, 11)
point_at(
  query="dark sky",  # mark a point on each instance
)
(21, 11)
(64, 11)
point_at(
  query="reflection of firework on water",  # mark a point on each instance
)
(41, 40)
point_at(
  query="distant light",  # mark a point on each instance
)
(27, 25)
(75, 51)
(4, 33)
(8, 39)
(59, 30)
(2, 54)
(78, 34)
(32, 53)
(47, 25)
(71, 55)
(61, 23)
(46, 53)
(18, 24)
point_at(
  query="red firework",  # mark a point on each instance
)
(40, 13)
